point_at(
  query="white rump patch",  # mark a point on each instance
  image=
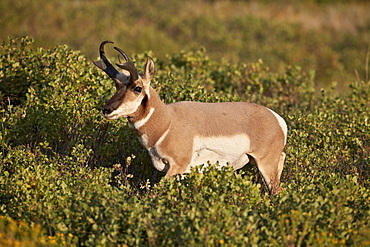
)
(282, 124)
(225, 150)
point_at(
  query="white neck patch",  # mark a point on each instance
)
(143, 121)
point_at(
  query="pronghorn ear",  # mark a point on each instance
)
(149, 69)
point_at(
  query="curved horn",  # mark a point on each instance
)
(107, 67)
(129, 65)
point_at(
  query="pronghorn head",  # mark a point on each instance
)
(132, 88)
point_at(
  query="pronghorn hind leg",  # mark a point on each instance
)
(271, 169)
(276, 189)
(281, 164)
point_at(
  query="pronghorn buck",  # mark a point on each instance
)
(184, 134)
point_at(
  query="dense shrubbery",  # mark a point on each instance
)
(58, 153)
(331, 37)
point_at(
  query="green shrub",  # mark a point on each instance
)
(334, 44)
(20, 233)
(58, 155)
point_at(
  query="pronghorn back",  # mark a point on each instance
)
(185, 134)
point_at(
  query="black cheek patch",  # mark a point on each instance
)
(144, 102)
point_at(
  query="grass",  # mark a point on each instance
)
(329, 37)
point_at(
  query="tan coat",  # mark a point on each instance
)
(181, 135)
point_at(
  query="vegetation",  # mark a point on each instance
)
(328, 36)
(58, 156)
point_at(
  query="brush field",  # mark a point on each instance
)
(58, 155)
(68, 177)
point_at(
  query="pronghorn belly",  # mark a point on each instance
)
(224, 150)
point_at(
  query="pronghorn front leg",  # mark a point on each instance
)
(173, 170)
(177, 168)
(167, 165)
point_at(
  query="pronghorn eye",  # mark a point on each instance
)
(138, 89)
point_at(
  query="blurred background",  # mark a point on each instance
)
(331, 37)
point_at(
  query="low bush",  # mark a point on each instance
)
(58, 156)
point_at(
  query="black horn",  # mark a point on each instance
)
(108, 68)
(129, 65)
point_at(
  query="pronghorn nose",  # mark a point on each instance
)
(107, 111)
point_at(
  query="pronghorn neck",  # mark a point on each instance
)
(151, 120)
